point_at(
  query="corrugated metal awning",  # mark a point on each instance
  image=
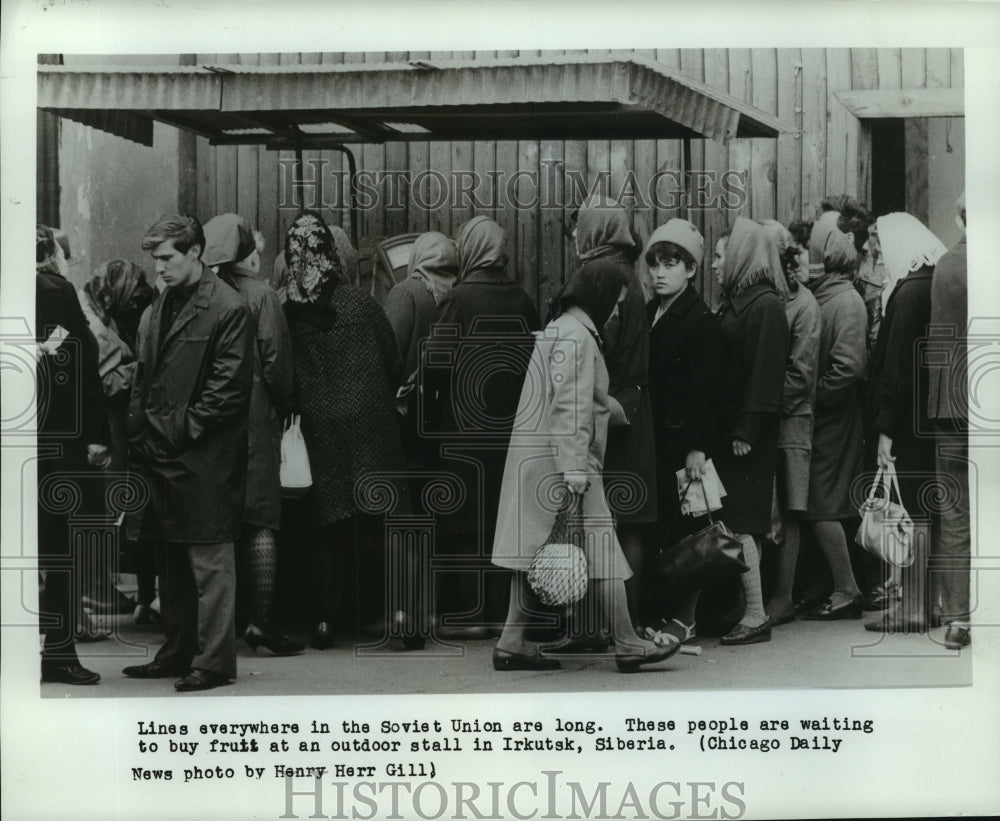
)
(579, 97)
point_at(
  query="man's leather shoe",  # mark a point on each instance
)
(70, 673)
(741, 634)
(200, 680)
(504, 661)
(155, 669)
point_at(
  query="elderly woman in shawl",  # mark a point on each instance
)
(755, 349)
(603, 234)
(231, 248)
(484, 330)
(557, 448)
(898, 394)
(347, 372)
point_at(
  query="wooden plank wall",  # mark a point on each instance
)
(785, 178)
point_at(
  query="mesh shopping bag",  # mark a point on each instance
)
(558, 570)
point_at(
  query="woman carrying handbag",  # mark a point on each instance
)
(557, 447)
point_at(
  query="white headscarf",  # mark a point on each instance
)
(907, 245)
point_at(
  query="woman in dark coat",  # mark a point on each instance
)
(346, 374)
(231, 248)
(838, 430)
(484, 330)
(898, 394)
(602, 233)
(685, 358)
(755, 348)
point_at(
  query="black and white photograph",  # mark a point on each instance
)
(500, 432)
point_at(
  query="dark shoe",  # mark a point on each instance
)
(155, 669)
(69, 673)
(741, 634)
(200, 680)
(784, 617)
(406, 629)
(322, 638)
(677, 631)
(882, 597)
(144, 614)
(632, 663)
(807, 603)
(504, 661)
(957, 637)
(470, 632)
(894, 622)
(278, 645)
(828, 611)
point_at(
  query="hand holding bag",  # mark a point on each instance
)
(295, 475)
(710, 555)
(558, 571)
(886, 528)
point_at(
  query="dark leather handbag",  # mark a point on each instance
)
(712, 554)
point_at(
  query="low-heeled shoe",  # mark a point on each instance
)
(631, 664)
(322, 638)
(504, 661)
(277, 644)
(69, 673)
(957, 637)
(155, 669)
(828, 611)
(200, 680)
(741, 634)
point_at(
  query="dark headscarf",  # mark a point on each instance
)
(434, 261)
(311, 258)
(481, 246)
(595, 289)
(751, 258)
(45, 250)
(602, 229)
(228, 238)
(119, 293)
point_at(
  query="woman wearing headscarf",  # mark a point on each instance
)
(755, 349)
(113, 300)
(230, 248)
(796, 419)
(347, 371)
(603, 234)
(898, 395)
(557, 449)
(838, 430)
(484, 329)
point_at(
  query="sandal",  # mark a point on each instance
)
(673, 631)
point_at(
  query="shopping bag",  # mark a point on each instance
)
(295, 475)
(558, 571)
(886, 528)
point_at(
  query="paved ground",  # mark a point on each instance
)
(800, 655)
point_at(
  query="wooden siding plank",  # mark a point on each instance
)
(526, 218)
(890, 68)
(270, 198)
(938, 68)
(763, 152)
(813, 129)
(958, 68)
(913, 67)
(841, 146)
(788, 187)
(740, 159)
(551, 215)
(715, 220)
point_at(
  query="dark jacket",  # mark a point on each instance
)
(755, 350)
(484, 334)
(187, 422)
(947, 395)
(838, 425)
(272, 389)
(411, 310)
(685, 358)
(347, 371)
(629, 453)
(897, 392)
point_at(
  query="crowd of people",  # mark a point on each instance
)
(786, 395)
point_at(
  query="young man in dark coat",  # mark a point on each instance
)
(73, 433)
(188, 438)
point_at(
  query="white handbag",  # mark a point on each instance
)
(295, 475)
(886, 528)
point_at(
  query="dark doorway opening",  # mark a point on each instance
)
(888, 165)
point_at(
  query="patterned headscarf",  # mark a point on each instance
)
(481, 246)
(751, 258)
(907, 245)
(600, 229)
(434, 261)
(311, 257)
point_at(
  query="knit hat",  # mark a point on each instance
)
(681, 233)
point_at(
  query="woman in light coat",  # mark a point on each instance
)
(557, 447)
